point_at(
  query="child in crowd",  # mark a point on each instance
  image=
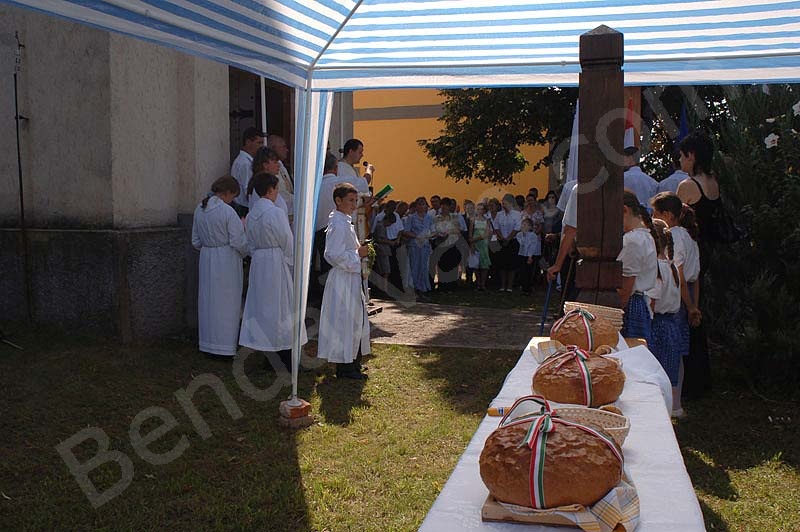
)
(639, 267)
(668, 207)
(530, 251)
(667, 342)
(267, 323)
(344, 326)
(218, 233)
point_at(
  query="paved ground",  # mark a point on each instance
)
(425, 324)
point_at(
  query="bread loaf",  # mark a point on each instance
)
(563, 378)
(584, 329)
(580, 464)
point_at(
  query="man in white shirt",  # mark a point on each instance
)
(637, 181)
(285, 182)
(569, 230)
(671, 183)
(242, 167)
(325, 206)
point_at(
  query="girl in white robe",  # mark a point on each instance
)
(267, 323)
(218, 233)
(344, 324)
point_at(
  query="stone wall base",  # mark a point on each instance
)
(129, 284)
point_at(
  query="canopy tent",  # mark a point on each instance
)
(337, 45)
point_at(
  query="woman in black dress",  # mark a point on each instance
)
(701, 192)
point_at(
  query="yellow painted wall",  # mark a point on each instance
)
(391, 145)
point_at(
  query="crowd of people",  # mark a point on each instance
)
(434, 245)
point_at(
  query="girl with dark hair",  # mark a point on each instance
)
(218, 233)
(266, 161)
(683, 228)
(639, 267)
(667, 339)
(267, 322)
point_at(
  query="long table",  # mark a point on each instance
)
(652, 458)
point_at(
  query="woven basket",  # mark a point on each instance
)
(614, 425)
(614, 315)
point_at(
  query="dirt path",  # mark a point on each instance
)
(452, 326)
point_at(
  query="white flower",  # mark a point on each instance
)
(796, 109)
(771, 141)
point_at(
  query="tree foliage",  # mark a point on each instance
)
(485, 128)
(754, 284)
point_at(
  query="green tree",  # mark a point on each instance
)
(484, 129)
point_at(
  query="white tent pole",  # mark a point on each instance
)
(300, 222)
(263, 106)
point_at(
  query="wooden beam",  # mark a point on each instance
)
(601, 124)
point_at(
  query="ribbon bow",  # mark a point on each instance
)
(585, 316)
(580, 356)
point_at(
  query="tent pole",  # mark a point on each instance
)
(263, 106)
(300, 229)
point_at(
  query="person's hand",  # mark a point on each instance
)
(530, 260)
(552, 272)
(695, 317)
(551, 237)
(367, 201)
(363, 251)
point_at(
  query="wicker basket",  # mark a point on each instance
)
(614, 315)
(614, 425)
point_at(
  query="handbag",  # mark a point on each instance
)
(474, 260)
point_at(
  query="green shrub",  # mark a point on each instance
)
(752, 297)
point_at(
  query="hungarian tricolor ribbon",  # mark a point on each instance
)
(580, 356)
(585, 316)
(541, 425)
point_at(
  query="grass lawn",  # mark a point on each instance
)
(376, 460)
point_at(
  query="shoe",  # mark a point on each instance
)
(678, 414)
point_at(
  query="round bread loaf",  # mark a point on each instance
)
(560, 378)
(572, 330)
(579, 467)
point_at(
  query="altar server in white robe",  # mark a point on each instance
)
(344, 324)
(218, 233)
(267, 323)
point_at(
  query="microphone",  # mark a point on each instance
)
(366, 164)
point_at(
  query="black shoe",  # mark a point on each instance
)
(355, 375)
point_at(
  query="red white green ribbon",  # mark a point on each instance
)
(580, 356)
(585, 316)
(541, 424)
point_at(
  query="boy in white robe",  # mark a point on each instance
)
(344, 324)
(267, 323)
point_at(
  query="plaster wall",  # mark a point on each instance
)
(63, 90)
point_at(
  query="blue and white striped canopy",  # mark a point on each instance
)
(346, 45)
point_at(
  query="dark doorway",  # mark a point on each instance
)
(245, 108)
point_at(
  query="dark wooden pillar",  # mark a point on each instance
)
(602, 123)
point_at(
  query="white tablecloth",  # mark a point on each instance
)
(652, 458)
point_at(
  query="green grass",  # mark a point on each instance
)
(376, 459)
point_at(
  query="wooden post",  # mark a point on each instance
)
(599, 238)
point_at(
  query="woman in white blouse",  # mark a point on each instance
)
(506, 225)
(218, 233)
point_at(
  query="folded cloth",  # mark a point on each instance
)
(620, 506)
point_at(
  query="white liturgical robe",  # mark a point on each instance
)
(218, 233)
(344, 324)
(267, 321)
